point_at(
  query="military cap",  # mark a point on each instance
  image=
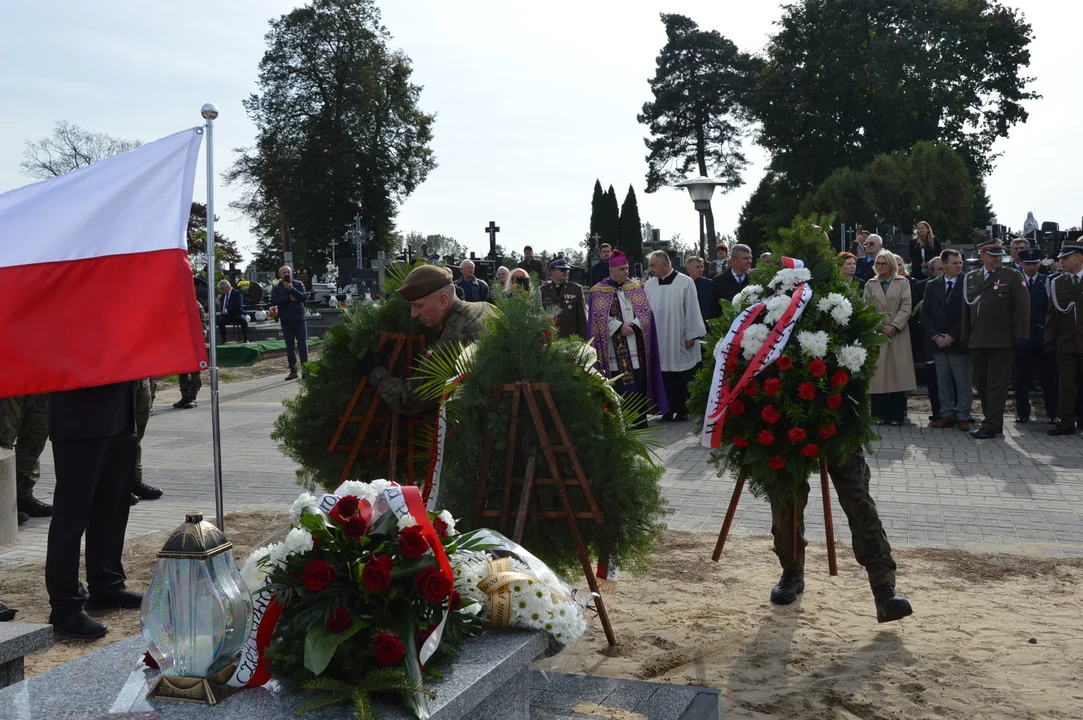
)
(1031, 255)
(1068, 250)
(560, 264)
(423, 281)
(994, 248)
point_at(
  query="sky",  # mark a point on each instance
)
(533, 102)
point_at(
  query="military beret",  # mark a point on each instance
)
(423, 281)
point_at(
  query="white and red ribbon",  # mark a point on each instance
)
(431, 489)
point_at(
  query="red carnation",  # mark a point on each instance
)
(377, 573)
(766, 437)
(806, 391)
(776, 463)
(736, 407)
(785, 362)
(440, 526)
(771, 415)
(828, 431)
(752, 389)
(810, 450)
(433, 584)
(839, 379)
(355, 527)
(346, 507)
(317, 575)
(412, 543)
(340, 620)
(454, 601)
(388, 648)
(771, 386)
(796, 435)
(834, 401)
(818, 368)
(740, 441)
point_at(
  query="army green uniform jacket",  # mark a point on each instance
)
(464, 323)
(1063, 322)
(998, 309)
(571, 307)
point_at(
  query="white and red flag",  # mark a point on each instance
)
(94, 266)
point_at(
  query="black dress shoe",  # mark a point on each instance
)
(77, 624)
(23, 517)
(1023, 420)
(7, 614)
(983, 434)
(34, 507)
(890, 606)
(145, 492)
(121, 600)
(666, 417)
(135, 500)
(681, 417)
(1054, 421)
(188, 404)
(790, 585)
(292, 375)
(1061, 430)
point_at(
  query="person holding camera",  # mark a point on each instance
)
(289, 295)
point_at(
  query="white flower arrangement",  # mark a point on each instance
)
(332, 274)
(789, 278)
(852, 357)
(449, 521)
(813, 343)
(747, 297)
(776, 306)
(753, 340)
(838, 307)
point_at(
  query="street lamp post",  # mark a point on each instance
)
(701, 189)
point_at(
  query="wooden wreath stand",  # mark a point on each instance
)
(829, 526)
(528, 502)
(390, 421)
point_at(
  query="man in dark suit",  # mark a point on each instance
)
(704, 289)
(922, 347)
(941, 321)
(865, 270)
(231, 310)
(94, 437)
(732, 281)
(1034, 358)
(600, 270)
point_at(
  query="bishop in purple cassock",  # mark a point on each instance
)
(623, 333)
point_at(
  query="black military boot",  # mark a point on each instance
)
(145, 492)
(789, 587)
(7, 614)
(34, 507)
(890, 606)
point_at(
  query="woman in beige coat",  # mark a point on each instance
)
(890, 294)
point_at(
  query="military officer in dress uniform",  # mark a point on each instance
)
(996, 323)
(567, 298)
(1062, 333)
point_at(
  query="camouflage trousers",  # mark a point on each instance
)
(24, 427)
(145, 390)
(871, 548)
(190, 383)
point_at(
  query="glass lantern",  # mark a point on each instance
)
(196, 614)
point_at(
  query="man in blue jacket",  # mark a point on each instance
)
(1034, 359)
(231, 309)
(289, 295)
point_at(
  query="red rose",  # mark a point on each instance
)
(766, 437)
(740, 441)
(412, 543)
(810, 450)
(737, 407)
(454, 601)
(318, 575)
(433, 584)
(440, 526)
(377, 573)
(796, 435)
(839, 379)
(150, 662)
(388, 648)
(355, 527)
(818, 368)
(776, 463)
(771, 386)
(346, 507)
(340, 620)
(834, 401)
(785, 362)
(828, 431)
(752, 389)
(731, 365)
(806, 391)
(771, 415)
(423, 635)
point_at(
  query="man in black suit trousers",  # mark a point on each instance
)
(94, 439)
(730, 282)
(1034, 358)
(231, 310)
(942, 321)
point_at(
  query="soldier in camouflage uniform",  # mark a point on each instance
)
(871, 548)
(433, 301)
(190, 383)
(24, 427)
(145, 390)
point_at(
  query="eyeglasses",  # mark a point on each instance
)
(882, 262)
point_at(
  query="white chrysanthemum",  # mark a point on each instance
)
(776, 306)
(838, 307)
(253, 574)
(788, 279)
(852, 357)
(298, 540)
(306, 500)
(747, 297)
(449, 521)
(753, 340)
(278, 552)
(813, 343)
(360, 490)
(406, 521)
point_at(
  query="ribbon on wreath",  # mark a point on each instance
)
(431, 489)
(497, 586)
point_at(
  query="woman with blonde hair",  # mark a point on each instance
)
(900, 267)
(923, 248)
(514, 280)
(890, 295)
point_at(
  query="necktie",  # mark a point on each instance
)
(1030, 283)
(1075, 279)
(950, 283)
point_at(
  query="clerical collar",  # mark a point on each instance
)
(668, 279)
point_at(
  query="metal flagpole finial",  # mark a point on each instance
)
(209, 111)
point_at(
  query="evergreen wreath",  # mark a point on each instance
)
(812, 402)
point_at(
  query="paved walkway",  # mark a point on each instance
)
(1020, 493)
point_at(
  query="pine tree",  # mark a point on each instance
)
(611, 219)
(597, 223)
(631, 237)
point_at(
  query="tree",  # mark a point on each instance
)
(339, 131)
(225, 249)
(631, 237)
(434, 244)
(700, 90)
(575, 257)
(597, 222)
(611, 218)
(70, 147)
(772, 205)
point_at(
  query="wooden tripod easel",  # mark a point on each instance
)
(404, 348)
(829, 525)
(528, 502)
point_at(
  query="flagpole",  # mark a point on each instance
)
(209, 113)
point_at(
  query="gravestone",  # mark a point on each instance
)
(16, 641)
(9, 518)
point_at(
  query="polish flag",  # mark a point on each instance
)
(94, 266)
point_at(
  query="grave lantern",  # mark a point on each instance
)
(196, 614)
(701, 189)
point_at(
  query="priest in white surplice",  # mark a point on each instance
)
(679, 324)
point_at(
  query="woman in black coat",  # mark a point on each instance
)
(923, 248)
